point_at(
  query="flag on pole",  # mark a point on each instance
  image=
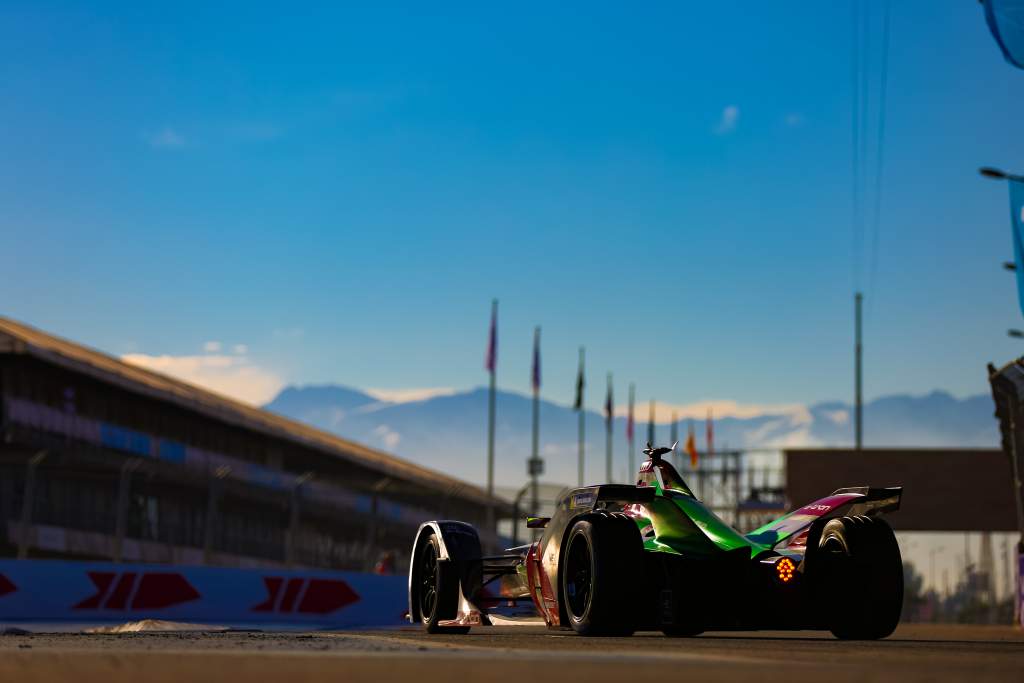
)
(609, 403)
(650, 425)
(535, 373)
(691, 447)
(629, 418)
(580, 383)
(491, 361)
(710, 433)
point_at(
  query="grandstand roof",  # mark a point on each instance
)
(19, 338)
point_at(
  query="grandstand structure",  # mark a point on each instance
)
(103, 460)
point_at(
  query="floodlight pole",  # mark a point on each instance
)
(997, 174)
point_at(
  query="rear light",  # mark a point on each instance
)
(784, 570)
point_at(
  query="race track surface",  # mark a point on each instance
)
(913, 653)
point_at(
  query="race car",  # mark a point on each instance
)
(615, 559)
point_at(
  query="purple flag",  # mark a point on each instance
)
(491, 362)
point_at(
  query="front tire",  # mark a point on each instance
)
(862, 578)
(599, 584)
(436, 585)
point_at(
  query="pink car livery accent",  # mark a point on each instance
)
(849, 501)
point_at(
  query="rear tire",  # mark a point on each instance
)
(600, 575)
(862, 578)
(436, 588)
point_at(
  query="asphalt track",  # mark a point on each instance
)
(913, 653)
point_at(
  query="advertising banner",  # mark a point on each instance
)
(83, 592)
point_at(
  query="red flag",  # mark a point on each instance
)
(691, 447)
(711, 433)
(491, 362)
(580, 383)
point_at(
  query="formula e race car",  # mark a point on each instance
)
(616, 558)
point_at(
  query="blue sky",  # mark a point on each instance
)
(334, 194)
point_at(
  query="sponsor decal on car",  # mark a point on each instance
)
(582, 500)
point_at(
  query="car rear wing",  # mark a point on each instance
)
(858, 500)
(875, 500)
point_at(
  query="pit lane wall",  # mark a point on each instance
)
(80, 592)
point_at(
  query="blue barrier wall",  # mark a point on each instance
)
(50, 590)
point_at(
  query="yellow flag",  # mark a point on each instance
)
(691, 447)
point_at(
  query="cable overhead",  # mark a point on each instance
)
(855, 125)
(880, 153)
(867, 140)
(865, 127)
(865, 188)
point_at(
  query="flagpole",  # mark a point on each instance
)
(710, 438)
(674, 438)
(535, 456)
(632, 454)
(492, 363)
(710, 433)
(579, 409)
(608, 420)
(650, 426)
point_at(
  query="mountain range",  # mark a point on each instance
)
(448, 433)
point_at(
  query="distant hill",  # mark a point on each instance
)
(448, 433)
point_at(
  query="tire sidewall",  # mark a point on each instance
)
(582, 533)
(616, 558)
(429, 621)
(861, 582)
(446, 587)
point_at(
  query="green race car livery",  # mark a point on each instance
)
(616, 558)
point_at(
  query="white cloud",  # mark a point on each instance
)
(211, 346)
(778, 435)
(232, 376)
(240, 349)
(839, 417)
(388, 436)
(663, 412)
(409, 395)
(168, 138)
(794, 119)
(727, 122)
